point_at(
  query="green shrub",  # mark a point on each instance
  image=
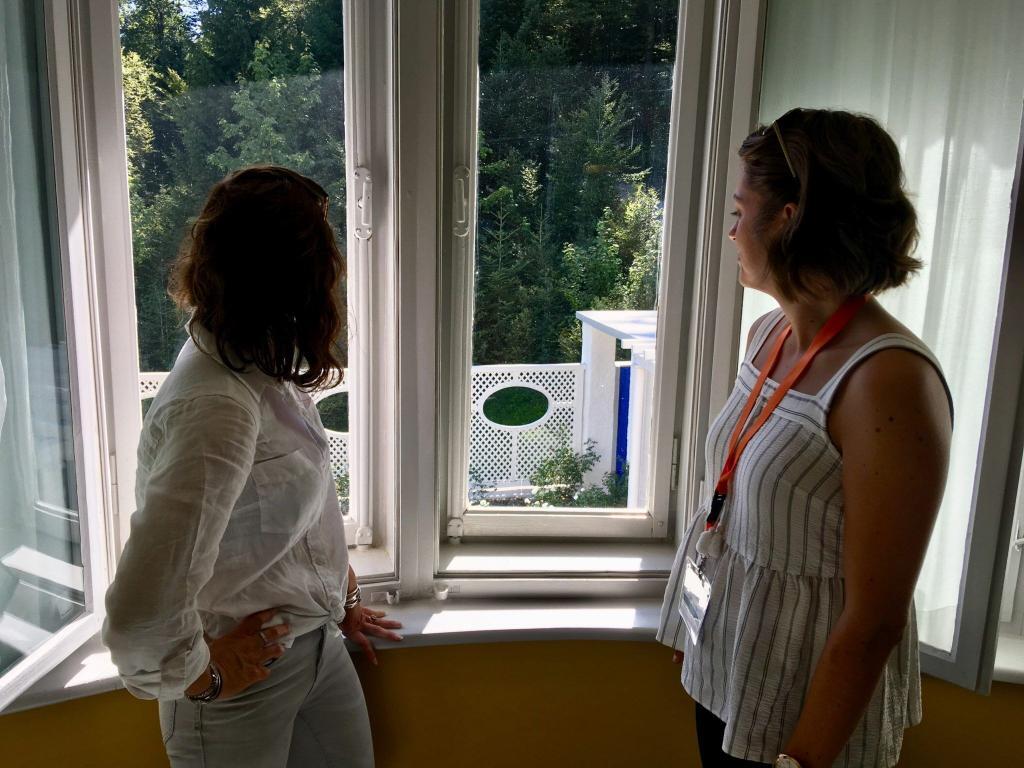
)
(559, 479)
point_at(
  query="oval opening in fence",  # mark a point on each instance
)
(334, 412)
(516, 406)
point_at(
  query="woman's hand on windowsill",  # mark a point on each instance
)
(361, 623)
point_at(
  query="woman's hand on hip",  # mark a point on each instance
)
(360, 622)
(243, 654)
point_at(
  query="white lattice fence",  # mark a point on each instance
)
(149, 385)
(338, 441)
(504, 456)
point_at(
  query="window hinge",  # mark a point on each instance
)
(455, 529)
(460, 190)
(674, 482)
(364, 203)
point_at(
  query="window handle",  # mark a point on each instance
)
(461, 191)
(364, 203)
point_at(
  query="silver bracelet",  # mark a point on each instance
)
(213, 690)
(353, 598)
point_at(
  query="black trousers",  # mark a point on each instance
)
(710, 731)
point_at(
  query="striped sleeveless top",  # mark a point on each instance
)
(777, 590)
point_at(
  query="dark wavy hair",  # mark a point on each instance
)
(261, 271)
(854, 225)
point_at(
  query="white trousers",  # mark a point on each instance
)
(310, 713)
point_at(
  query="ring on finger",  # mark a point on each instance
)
(263, 638)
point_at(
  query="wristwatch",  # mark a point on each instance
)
(785, 761)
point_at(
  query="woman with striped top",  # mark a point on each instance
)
(830, 458)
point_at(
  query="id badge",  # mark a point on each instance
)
(694, 601)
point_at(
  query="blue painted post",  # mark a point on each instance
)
(622, 422)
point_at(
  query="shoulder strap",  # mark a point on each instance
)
(877, 344)
(768, 323)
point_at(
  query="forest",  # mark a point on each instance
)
(573, 128)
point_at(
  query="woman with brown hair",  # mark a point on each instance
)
(235, 580)
(790, 600)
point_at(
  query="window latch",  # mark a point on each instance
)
(460, 190)
(363, 228)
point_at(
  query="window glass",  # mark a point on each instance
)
(574, 112)
(945, 80)
(41, 575)
(208, 88)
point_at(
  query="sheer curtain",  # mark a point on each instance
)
(39, 533)
(18, 483)
(946, 79)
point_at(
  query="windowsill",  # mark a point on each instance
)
(86, 672)
(596, 558)
(89, 671)
(371, 562)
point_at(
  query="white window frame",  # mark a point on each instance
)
(459, 72)
(370, 526)
(708, 72)
(373, 381)
(75, 41)
(991, 531)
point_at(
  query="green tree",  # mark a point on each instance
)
(159, 31)
(591, 158)
(637, 235)
(139, 91)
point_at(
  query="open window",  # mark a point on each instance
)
(558, 130)
(56, 484)
(213, 88)
(946, 83)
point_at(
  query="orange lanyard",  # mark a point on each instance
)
(740, 438)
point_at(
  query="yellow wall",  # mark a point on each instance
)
(536, 704)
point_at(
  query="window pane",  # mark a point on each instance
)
(41, 574)
(573, 134)
(956, 119)
(209, 88)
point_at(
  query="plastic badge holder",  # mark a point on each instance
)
(693, 604)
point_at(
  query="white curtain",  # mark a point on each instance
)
(17, 471)
(3, 399)
(946, 79)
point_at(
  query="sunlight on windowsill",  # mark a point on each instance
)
(533, 563)
(489, 620)
(95, 667)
